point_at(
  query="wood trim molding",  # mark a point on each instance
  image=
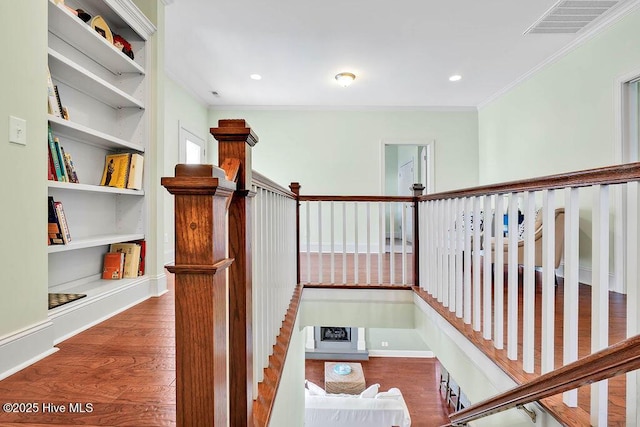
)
(320, 198)
(618, 174)
(268, 388)
(610, 362)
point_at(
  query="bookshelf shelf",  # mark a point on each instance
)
(86, 135)
(93, 241)
(76, 76)
(93, 188)
(74, 31)
(105, 93)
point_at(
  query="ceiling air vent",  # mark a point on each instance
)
(566, 17)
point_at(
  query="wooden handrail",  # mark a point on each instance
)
(618, 174)
(323, 198)
(610, 362)
(262, 181)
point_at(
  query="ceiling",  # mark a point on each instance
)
(402, 52)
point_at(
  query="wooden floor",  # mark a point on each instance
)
(418, 379)
(124, 367)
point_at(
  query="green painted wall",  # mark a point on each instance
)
(563, 117)
(23, 169)
(180, 109)
(340, 151)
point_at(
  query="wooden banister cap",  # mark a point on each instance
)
(234, 130)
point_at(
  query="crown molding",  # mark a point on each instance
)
(597, 28)
(437, 109)
(134, 17)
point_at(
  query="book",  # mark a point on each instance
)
(116, 170)
(55, 89)
(53, 106)
(72, 176)
(131, 253)
(62, 221)
(135, 172)
(54, 156)
(58, 152)
(53, 226)
(51, 174)
(143, 254)
(113, 265)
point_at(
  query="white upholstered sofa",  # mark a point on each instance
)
(368, 409)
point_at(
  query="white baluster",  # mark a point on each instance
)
(344, 243)
(392, 237)
(459, 227)
(498, 273)
(368, 266)
(333, 248)
(570, 284)
(381, 238)
(600, 298)
(477, 290)
(468, 207)
(633, 293)
(320, 242)
(355, 250)
(404, 242)
(486, 285)
(512, 279)
(528, 272)
(548, 281)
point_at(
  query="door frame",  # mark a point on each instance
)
(428, 143)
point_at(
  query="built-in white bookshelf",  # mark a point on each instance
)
(105, 92)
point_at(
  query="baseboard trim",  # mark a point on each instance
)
(21, 349)
(91, 311)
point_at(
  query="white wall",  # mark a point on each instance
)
(339, 152)
(180, 109)
(23, 169)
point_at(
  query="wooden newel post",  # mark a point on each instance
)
(201, 193)
(295, 189)
(417, 192)
(235, 139)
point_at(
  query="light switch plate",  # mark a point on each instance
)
(17, 130)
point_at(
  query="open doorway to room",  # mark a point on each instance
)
(405, 163)
(192, 147)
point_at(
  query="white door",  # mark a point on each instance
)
(406, 179)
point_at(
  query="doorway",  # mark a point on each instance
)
(192, 147)
(404, 163)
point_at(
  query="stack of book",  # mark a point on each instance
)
(61, 167)
(124, 260)
(58, 228)
(123, 170)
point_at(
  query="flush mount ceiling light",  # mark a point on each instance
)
(455, 78)
(256, 77)
(345, 79)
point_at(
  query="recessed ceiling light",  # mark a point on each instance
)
(345, 79)
(255, 76)
(455, 78)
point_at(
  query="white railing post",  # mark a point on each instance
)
(468, 206)
(498, 273)
(570, 285)
(477, 293)
(528, 311)
(633, 293)
(600, 298)
(487, 282)
(548, 282)
(512, 279)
